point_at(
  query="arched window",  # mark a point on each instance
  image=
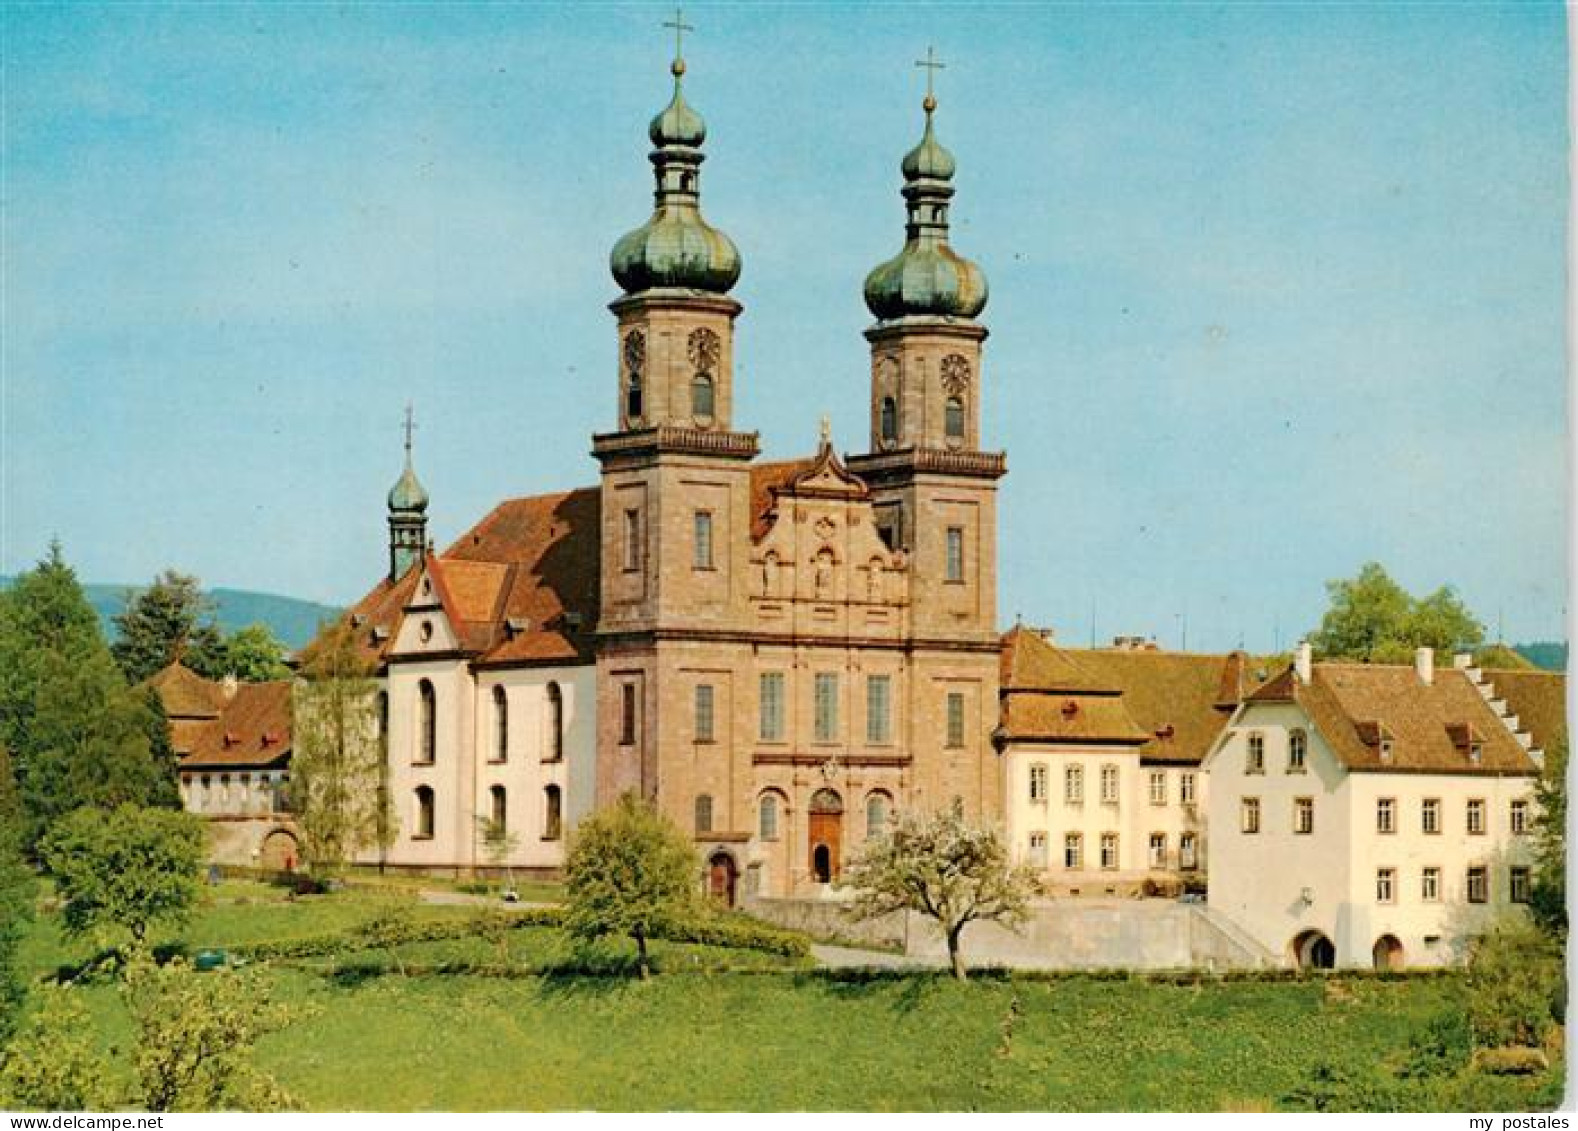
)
(553, 817)
(767, 827)
(633, 396)
(500, 808)
(555, 723)
(888, 420)
(424, 813)
(701, 399)
(953, 419)
(501, 724)
(878, 806)
(427, 722)
(704, 813)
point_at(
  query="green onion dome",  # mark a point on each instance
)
(928, 277)
(676, 247)
(408, 495)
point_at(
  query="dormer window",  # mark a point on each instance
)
(1476, 752)
(1386, 749)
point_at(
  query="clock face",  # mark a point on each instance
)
(635, 350)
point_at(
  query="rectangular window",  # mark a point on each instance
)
(1188, 853)
(1386, 815)
(1518, 884)
(1158, 850)
(1430, 885)
(1038, 850)
(632, 559)
(1074, 785)
(772, 707)
(879, 709)
(1186, 787)
(955, 564)
(701, 547)
(1249, 814)
(1158, 787)
(1518, 817)
(1073, 851)
(1430, 815)
(1385, 885)
(1109, 785)
(1304, 815)
(826, 707)
(1038, 782)
(704, 713)
(627, 714)
(955, 719)
(1109, 851)
(1476, 816)
(1255, 759)
(1478, 885)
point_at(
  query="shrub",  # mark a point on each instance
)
(1511, 1061)
(1516, 987)
(55, 1064)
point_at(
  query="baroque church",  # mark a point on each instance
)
(779, 654)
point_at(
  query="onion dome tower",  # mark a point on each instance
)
(407, 513)
(933, 487)
(676, 321)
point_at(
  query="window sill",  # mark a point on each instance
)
(552, 760)
(549, 839)
(423, 765)
(421, 836)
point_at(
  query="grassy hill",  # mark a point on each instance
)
(292, 620)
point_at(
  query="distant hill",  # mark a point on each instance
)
(292, 620)
(1548, 654)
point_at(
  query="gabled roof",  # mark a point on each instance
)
(1430, 727)
(521, 586)
(185, 694)
(1047, 696)
(246, 725)
(1180, 699)
(1030, 662)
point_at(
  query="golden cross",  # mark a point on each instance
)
(410, 427)
(680, 28)
(932, 65)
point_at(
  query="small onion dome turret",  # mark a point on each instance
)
(928, 277)
(676, 247)
(408, 496)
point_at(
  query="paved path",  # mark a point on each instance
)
(846, 957)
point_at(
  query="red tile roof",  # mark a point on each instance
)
(1354, 706)
(249, 726)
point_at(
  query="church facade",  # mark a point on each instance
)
(779, 654)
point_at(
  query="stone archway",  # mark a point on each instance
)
(279, 852)
(1387, 953)
(1312, 950)
(826, 830)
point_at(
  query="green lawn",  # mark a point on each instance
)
(766, 1035)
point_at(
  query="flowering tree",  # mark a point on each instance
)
(941, 866)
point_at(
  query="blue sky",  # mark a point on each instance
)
(1276, 289)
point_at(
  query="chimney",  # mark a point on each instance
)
(1425, 665)
(1303, 661)
(229, 684)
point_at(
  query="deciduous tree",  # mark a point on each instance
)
(943, 867)
(124, 870)
(338, 767)
(254, 655)
(1374, 619)
(630, 871)
(1548, 897)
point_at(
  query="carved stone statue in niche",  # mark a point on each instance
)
(874, 581)
(824, 572)
(769, 574)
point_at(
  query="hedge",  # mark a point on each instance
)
(733, 932)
